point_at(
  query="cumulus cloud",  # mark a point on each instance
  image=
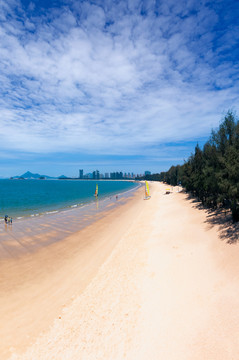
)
(118, 77)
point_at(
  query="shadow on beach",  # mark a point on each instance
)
(222, 218)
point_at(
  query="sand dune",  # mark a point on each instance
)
(149, 280)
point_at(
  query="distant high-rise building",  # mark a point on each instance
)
(96, 174)
(80, 174)
(116, 175)
(88, 176)
(147, 173)
(119, 175)
(106, 175)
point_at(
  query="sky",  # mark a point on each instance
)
(113, 85)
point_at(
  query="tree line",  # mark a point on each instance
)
(211, 174)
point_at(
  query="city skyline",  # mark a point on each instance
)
(94, 174)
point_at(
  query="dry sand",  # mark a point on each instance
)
(150, 280)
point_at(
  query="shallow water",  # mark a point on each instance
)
(20, 198)
(29, 234)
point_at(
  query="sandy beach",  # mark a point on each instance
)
(146, 280)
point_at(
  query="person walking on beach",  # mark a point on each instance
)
(8, 220)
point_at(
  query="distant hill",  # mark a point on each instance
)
(29, 175)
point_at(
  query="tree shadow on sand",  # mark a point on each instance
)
(228, 230)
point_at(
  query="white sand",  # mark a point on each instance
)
(166, 288)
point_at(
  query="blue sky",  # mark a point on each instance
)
(113, 85)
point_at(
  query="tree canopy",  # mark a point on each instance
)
(212, 173)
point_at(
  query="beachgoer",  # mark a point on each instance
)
(5, 218)
(11, 221)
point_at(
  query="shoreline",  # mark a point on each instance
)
(36, 264)
(148, 280)
(63, 207)
(56, 225)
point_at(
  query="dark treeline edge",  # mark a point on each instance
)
(211, 174)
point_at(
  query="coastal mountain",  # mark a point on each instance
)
(29, 175)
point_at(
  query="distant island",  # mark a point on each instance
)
(28, 175)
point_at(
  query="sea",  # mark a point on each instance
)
(32, 198)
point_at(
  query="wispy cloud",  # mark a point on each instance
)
(116, 77)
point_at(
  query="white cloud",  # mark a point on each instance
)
(90, 79)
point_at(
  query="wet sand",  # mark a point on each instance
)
(29, 234)
(46, 261)
(147, 280)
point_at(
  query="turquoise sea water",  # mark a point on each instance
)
(19, 198)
